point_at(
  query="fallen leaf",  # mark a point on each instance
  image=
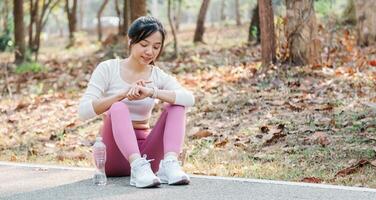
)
(201, 134)
(295, 106)
(264, 129)
(71, 125)
(276, 136)
(311, 180)
(21, 105)
(372, 62)
(241, 145)
(352, 169)
(324, 107)
(198, 173)
(13, 158)
(221, 143)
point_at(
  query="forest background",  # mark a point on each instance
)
(285, 90)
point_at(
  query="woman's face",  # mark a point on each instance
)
(148, 49)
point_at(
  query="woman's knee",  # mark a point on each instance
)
(118, 106)
(174, 108)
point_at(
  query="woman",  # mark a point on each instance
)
(126, 89)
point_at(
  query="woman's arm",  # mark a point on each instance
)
(139, 91)
(102, 105)
(172, 92)
(166, 96)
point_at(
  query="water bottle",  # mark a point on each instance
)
(99, 154)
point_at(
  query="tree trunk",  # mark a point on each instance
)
(118, 13)
(237, 13)
(5, 12)
(34, 9)
(72, 20)
(267, 32)
(126, 15)
(200, 27)
(19, 28)
(366, 22)
(222, 12)
(40, 22)
(99, 15)
(138, 9)
(301, 32)
(81, 16)
(176, 50)
(178, 16)
(254, 28)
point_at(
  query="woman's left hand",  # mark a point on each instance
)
(137, 92)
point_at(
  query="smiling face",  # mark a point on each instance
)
(147, 50)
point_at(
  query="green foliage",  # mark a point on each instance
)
(5, 41)
(254, 31)
(323, 7)
(30, 67)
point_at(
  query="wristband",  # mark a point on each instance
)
(155, 93)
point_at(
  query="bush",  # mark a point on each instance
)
(30, 67)
(5, 41)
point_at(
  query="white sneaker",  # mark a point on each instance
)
(170, 172)
(141, 174)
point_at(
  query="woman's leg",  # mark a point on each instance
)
(120, 140)
(167, 135)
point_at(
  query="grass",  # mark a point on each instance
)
(33, 67)
(237, 111)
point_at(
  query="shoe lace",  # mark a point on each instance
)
(173, 163)
(145, 162)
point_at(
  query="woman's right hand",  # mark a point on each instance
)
(125, 94)
(137, 92)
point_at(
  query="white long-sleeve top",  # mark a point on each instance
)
(106, 81)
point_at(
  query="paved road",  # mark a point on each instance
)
(21, 181)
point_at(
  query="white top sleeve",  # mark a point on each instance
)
(96, 88)
(182, 96)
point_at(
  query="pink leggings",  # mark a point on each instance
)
(122, 140)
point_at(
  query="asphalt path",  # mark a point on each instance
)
(31, 181)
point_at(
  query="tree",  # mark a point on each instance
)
(38, 21)
(267, 32)
(126, 17)
(99, 15)
(81, 13)
(5, 13)
(365, 22)
(200, 27)
(301, 32)
(176, 50)
(254, 27)
(138, 9)
(237, 13)
(72, 20)
(222, 11)
(19, 31)
(178, 16)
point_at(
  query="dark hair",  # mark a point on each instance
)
(143, 27)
